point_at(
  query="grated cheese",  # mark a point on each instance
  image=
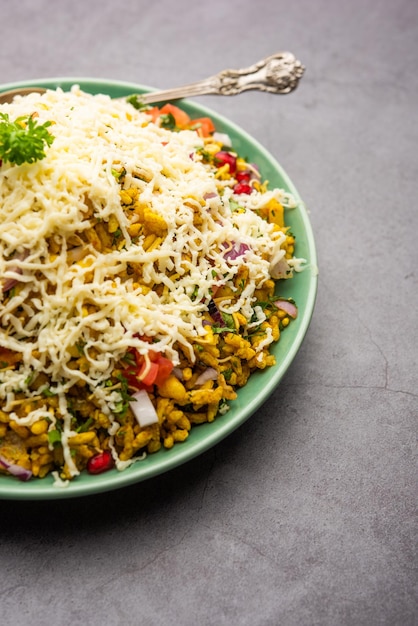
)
(92, 302)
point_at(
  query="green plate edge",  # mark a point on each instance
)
(302, 288)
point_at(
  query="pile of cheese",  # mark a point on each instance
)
(44, 206)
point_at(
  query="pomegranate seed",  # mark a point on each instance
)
(223, 158)
(243, 176)
(242, 188)
(100, 463)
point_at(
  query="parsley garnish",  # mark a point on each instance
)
(24, 140)
(167, 121)
(136, 102)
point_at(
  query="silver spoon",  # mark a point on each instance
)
(279, 73)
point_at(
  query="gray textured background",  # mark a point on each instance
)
(307, 514)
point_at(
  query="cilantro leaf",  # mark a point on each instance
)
(136, 102)
(167, 121)
(24, 140)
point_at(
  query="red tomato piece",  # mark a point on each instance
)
(165, 367)
(180, 117)
(203, 126)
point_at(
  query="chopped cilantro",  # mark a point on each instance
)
(136, 102)
(167, 121)
(86, 425)
(54, 436)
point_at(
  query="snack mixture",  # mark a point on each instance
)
(139, 255)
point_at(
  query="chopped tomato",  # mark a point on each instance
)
(165, 367)
(154, 113)
(180, 117)
(148, 372)
(203, 126)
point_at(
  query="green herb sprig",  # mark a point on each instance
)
(24, 140)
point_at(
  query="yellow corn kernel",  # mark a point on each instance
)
(39, 427)
(274, 325)
(242, 164)
(212, 147)
(187, 373)
(223, 172)
(126, 197)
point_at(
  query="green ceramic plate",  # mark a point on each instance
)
(302, 288)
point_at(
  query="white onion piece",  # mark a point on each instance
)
(9, 283)
(280, 269)
(76, 254)
(16, 470)
(143, 409)
(178, 373)
(209, 374)
(223, 138)
(288, 307)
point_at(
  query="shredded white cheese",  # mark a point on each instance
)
(62, 302)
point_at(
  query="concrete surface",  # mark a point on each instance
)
(307, 514)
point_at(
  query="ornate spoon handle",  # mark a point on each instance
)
(278, 73)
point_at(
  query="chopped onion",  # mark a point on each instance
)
(209, 374)
(143, 409)
(215, 314)
(10, 282)
(76, 254)
(235, 251)
(288, 307)
(210, 194)
(255, 170)
(16, 470)
(222, 138)
(178, 373)
(281, 269)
